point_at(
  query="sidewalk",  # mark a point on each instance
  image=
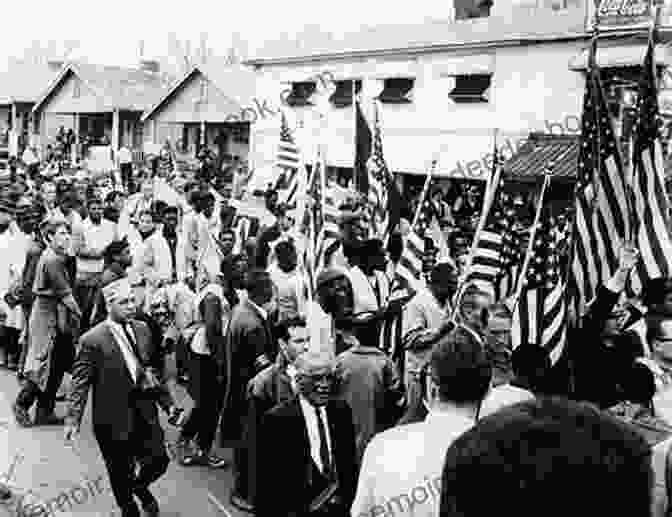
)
(50, 479)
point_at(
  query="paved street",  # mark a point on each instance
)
(73, 481)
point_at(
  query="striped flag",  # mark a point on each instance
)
(602, 216)
(288, 160)
(383, 192)
(496, 254)
(540, 316)
(651, 204)
(322, 221)
(410, 264)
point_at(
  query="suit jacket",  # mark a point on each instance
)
(290, 492)
(249, 347)
(118, 406)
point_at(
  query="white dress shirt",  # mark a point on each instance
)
(310, 418)
(126, 348)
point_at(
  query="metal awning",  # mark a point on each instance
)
(621, 55)
(534, 156)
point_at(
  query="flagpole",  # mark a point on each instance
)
(488, 199)
(533, 234)
(423, 196)
(354, 121)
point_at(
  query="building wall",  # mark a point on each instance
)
(532, 90)
(187, 105)
(74, 96)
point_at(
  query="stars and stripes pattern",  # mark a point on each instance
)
(497, 254)
(321, 221)
(602, 218)
(540, 314)
(651, 204)
(288, 160)
(380, 180)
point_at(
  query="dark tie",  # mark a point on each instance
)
(324, 445)
(131, 341)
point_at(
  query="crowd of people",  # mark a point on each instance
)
(365, 395)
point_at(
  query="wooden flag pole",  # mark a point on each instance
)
(423, 195)
(354, 119)
(488, 199)
(530, 245)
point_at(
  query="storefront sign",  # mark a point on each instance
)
(619, 14)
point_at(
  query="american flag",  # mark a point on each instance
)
(380, 183)
(651, 204)
(496, 255)
(540, 314)
(602, 216)
(288, 160)
(321, 220)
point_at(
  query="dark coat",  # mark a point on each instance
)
(227, 216)
(249, 348)
(267, 236)
(266, 390)
(598, 368)
(285, 448)
(117, 403)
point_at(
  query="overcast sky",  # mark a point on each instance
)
(109, 31)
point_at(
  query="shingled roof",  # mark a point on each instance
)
(122, 88)
(522, 24)
(540, 149)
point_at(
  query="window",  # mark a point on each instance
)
(203, 96)
(76, 89)
(397, 91)
(469, 9)
(471, 88)
(342, 97)
(300, 94)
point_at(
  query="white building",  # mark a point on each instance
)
(446, 85)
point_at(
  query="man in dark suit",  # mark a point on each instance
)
(249, 348)
(116, 359)
(311, 439)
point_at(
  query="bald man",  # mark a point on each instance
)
(319, 468)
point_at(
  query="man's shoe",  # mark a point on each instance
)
(50, 419)
(149, 503)
(216, 462)
(21, 415)
(241, 503)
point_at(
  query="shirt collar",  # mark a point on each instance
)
(442, 415)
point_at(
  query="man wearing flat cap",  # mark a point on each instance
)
(335, 300)
(116, 358)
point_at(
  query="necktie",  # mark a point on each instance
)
(376, 288)
(324, 446)
(134, 351)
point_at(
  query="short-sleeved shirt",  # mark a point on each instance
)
(52, 277)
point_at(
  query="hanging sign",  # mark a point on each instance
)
(620, 14)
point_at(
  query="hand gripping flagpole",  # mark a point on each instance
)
(533, 233)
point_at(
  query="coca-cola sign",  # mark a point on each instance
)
(619, 13)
